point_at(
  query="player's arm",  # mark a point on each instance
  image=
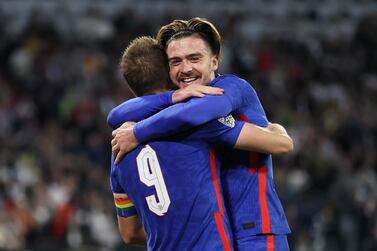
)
(197, 111)
(139, 108)
(273, 139)
(131, 230)
(184, 116)
(130, 227)
(245, 136)
(173, 119)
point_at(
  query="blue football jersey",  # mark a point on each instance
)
(249, 190)
(250, 196)
(175, 188)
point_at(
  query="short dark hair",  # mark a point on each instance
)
(144, 66)
(184, 28)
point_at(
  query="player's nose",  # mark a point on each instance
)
(186, 67)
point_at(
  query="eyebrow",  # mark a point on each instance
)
(173, 58)
(195, 55)
(188, 56)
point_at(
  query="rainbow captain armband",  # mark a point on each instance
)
(124, 205)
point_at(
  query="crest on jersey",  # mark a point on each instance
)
(227, 120)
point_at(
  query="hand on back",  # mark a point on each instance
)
(123, 141)
(195, 90)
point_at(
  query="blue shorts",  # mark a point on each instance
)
(262, 242)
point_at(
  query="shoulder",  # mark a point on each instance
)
(229, 77)
(232, 80)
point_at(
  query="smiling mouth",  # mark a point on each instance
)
(188, 81)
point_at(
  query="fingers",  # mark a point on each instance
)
(119, 157)
(205, 89)
(123, 142)
(195, 90)
(211, 90)
(114, 142)
(115, 150)
(115, 147)
(123, 151)
(197, 94)
(127, 124)
(114, 133)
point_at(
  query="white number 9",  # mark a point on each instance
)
(150, 174)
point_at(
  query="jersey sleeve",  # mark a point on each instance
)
(181, 117)
(139, 108)
(222, 131)
(244, 98)
(196, 111)
(238, 91)
(123, 204)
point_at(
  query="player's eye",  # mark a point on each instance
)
(194, 59)
(174, 62)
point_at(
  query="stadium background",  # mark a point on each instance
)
(313, 64)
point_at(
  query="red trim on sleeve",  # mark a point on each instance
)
(223, 235)
(270, 243)
(262, 181)
(242, 117)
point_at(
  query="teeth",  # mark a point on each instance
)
(188, 80)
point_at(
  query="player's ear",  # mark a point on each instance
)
(214, 62)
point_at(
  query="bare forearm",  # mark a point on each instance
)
(139, 239)
(264, 140)
(132, 231)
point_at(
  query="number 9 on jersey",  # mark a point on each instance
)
(150, 174)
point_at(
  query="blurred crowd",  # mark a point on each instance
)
(59, 78)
